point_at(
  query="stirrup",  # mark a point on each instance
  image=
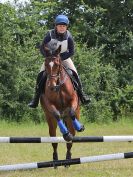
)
(33, 103)
(86, 100)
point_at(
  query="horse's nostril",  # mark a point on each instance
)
(52, 88)
(55, 88)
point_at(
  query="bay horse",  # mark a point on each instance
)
(60, 101)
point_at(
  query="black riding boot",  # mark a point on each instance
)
(41, 78)
(83, 97)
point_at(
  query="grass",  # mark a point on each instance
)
(26, 153)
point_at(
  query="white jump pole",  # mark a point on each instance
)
(75, 161)
(61, 140)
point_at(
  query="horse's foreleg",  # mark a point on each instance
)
(76, 124)
(66, 134)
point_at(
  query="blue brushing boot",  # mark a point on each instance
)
(62, 127)
(77, 125)
(66, 134)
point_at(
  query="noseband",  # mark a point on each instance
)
(57, 76)
(55, 88)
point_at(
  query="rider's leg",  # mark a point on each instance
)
(40, 82)
(83, 97)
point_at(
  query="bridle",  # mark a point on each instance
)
(57, 77)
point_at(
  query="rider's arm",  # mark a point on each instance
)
(70, 51)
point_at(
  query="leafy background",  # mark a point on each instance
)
(103, 34)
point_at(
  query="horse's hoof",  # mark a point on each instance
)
(66, 166)
(55, 158)
(82, 128)
(68, 157)
(68, 137)
(55, 167)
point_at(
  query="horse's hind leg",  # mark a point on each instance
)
(68, 153)
(69, 145)
(52, 132)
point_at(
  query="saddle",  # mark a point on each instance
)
(71, 74)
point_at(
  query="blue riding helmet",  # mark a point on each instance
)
(61, 19)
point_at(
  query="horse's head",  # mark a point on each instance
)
(53, 67)
(52, 62)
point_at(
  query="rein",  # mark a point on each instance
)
(58, 77)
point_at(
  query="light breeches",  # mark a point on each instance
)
(68, 63)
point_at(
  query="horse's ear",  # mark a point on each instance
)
(47, 51)
(58, 50)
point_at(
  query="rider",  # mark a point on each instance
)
(55, 37)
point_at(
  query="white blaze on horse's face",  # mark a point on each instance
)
(51, 64)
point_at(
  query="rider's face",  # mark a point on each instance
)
(61, 28)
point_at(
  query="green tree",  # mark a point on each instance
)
(104, 60)
(8, 60)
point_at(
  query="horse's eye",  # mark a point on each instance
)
(57, 62)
